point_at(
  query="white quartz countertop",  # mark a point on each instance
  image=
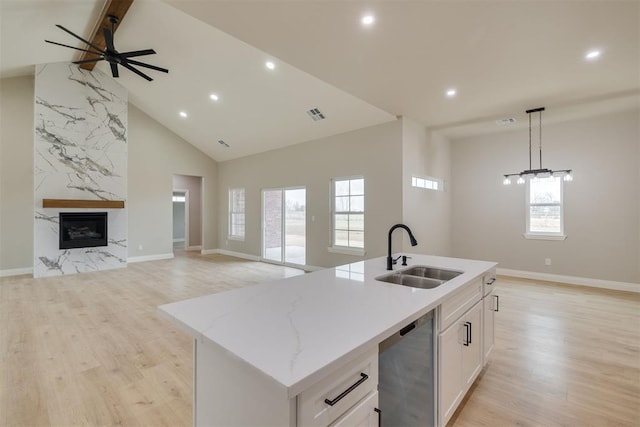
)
(299, 329)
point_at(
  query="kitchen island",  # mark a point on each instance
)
(269, 354)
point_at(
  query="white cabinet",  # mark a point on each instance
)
(333, 396)
(490, 306)
(460, 360)
(364, 414)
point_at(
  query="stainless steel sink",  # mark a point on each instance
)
(411, 281)
(420, 277)
(432, 273)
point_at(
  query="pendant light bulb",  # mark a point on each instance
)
(520, 180)
(568, 177)
(506, 181)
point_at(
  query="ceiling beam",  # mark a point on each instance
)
(117, 8)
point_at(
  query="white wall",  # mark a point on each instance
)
(155, 155)
(426, 212)
(16, 173)
(602, 214)
(374, 152)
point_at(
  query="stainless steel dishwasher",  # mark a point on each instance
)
(406, 370)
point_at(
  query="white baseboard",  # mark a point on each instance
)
(230, 253)
(178, 240)
(572, 280)
(149, 257)
(194, 248)
(16, 271)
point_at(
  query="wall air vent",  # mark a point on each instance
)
(315, 114)
(504, 122)
(221, 142)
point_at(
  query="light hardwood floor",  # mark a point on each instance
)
(89, 349)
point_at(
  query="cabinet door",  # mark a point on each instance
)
(362, 414)
(449, 369)
(472, 353)
(489, 302)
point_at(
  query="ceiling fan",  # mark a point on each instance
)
(111, 55)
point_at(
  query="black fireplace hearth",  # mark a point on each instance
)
(83, 229)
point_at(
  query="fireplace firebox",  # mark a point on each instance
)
(83, 229)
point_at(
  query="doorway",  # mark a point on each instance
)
(284, 222)
(180, 199)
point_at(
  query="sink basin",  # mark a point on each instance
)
(411, 281)
(420, 277)
(432, 273)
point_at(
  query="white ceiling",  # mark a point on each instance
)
(502, 57)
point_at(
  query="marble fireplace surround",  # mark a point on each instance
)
(80, 165)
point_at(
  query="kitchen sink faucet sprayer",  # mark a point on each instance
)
(414, 242)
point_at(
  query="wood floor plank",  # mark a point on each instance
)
(90, 349)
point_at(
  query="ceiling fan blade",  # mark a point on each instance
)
(80, 38)
(114, 70)
(141, 74)
(66, 45)
(137, 53)
(108, 39)
(86, 61)
(142, 64)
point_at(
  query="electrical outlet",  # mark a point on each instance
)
(547, 261)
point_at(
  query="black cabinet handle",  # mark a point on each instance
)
(490, 281)
(379, 411)
(470, 331)
(497, 303)
(410, 327)
(363, 378)
(467, 327)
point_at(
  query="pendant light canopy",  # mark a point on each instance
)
(541, 172)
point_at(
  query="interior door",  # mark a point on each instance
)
(284, 225)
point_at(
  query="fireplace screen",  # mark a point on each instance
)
(83, 229)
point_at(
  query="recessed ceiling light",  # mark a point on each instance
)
(270, 65)
(214, 97)
(368, 20)
(451, 93)
(183, 114)
(592, 54)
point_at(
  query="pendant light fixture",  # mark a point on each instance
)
(541, 172)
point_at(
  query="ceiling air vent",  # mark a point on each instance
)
(504, 122)
(315, 114)
(221, 142)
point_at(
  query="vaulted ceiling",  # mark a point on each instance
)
(500, 57)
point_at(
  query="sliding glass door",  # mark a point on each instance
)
(284, 214)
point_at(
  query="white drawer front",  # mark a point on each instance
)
(457, 304)
(313, 410)
(362, 415)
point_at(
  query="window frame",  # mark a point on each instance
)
(232, 213)
(540, 235)
(341, 249)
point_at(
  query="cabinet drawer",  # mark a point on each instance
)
(488, 282)
(362, 415)
(313, 410)
(457, 304)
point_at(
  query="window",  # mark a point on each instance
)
(428, 183)
(236, 213)
(544, 208)
(348, 216)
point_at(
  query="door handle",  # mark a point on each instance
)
(363, 378)
(467, 327)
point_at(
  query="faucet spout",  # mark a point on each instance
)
(414, 242)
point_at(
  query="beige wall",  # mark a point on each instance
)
(16, 173)
(194, 185)
(155, 155)
(601, 204)
(373, 152)
(426, 212)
